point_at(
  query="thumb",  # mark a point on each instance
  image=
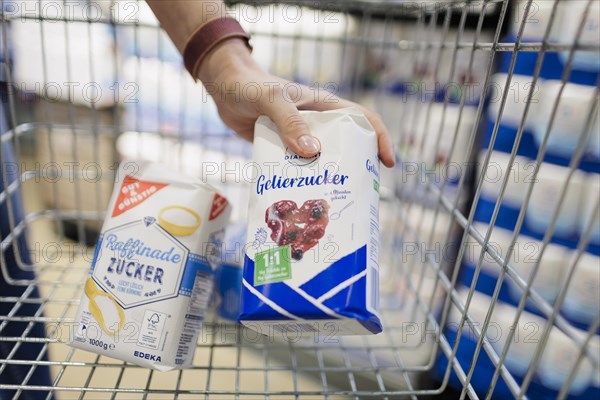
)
(293, 130)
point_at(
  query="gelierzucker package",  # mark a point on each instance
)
(312, 246)
(152, 273)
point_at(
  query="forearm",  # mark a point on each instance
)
(180, 18)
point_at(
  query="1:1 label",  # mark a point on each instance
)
(272, 265)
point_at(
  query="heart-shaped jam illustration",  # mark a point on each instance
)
(301, 228)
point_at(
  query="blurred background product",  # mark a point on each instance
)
(490, 222)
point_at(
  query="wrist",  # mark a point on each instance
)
(227, 58)
(218, 38)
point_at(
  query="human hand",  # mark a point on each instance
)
(243, 91)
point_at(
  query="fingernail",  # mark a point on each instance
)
(309, 144)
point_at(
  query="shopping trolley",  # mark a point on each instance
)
(489, 223)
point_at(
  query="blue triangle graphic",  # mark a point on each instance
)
(149, 220)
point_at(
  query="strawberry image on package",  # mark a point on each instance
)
(313, 231)
(151, 277)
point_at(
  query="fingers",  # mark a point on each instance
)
(328, 101)
(294, 131)
(384, 140)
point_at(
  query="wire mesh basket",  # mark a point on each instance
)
(489, 222)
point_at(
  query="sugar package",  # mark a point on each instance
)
(311, 258)
(151, 277)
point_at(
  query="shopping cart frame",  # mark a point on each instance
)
(461, 214)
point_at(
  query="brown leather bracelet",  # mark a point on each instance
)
(209, 35)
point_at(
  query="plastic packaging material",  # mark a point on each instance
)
(311, 262)
(152, 273)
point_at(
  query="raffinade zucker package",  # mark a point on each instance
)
(311, 254)
(152, 273)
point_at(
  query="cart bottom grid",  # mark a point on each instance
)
(229, 361)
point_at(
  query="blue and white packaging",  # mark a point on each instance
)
(152, 274)
(517, 97)
(528, 333)
(573, 17)
(593, 146)
(588, 213)
(536, 20)
(438, 129)
(311, 263)
(545, 198)
(560, 357)
(228, 277)
(551, 268)
(570, 119)
(582, 301)
(500, 240)
(520, 175)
